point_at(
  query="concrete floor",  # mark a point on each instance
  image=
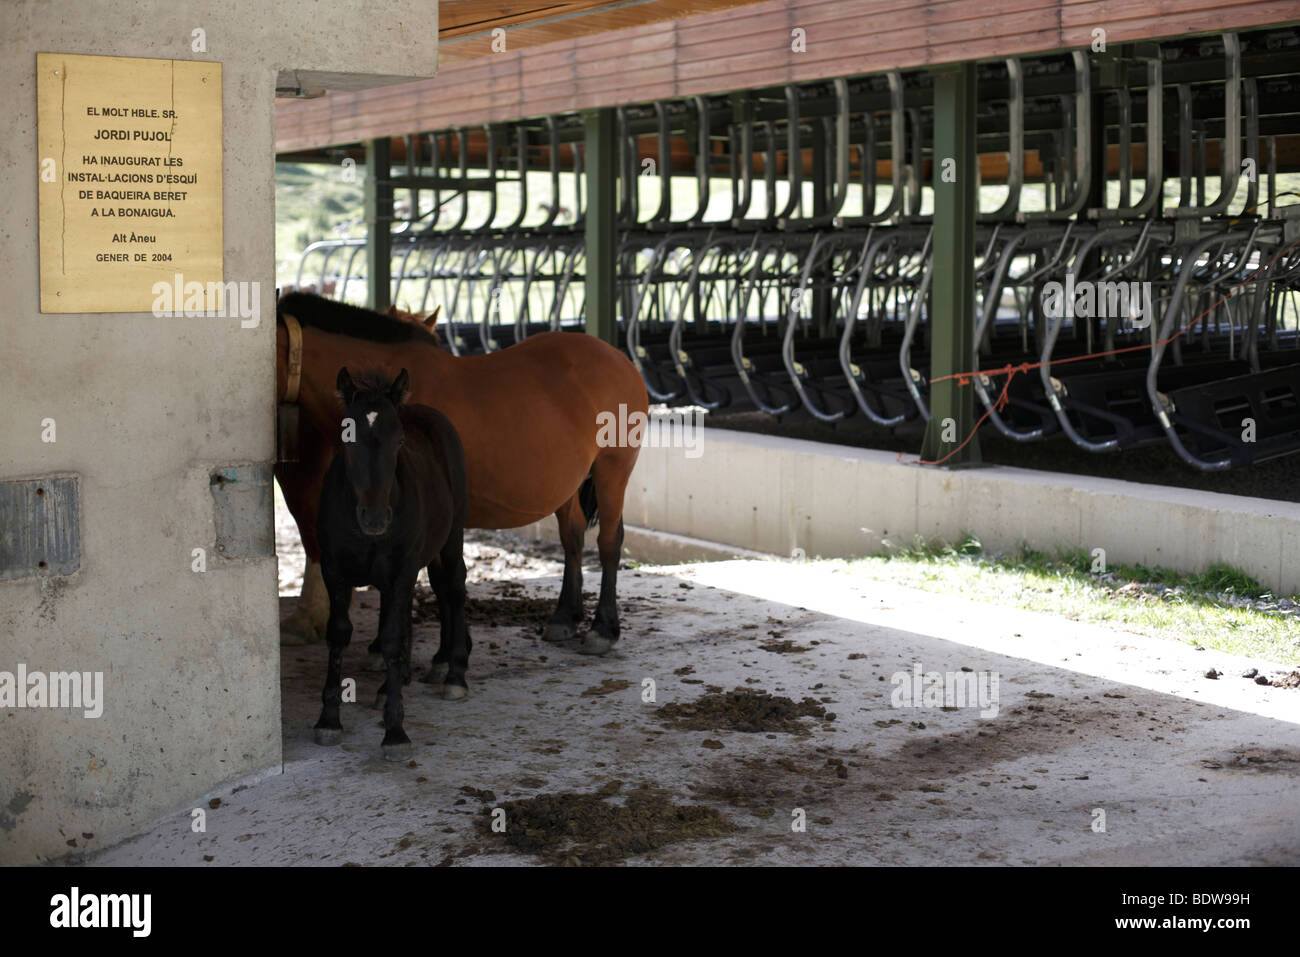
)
(1189, 771)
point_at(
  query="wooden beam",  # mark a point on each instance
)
(724, 50)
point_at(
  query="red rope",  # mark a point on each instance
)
(1011, 371)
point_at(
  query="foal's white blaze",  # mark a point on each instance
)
(370, 417)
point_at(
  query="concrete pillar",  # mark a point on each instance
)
(165, 437)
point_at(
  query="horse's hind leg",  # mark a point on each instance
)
(444, 620)
(374, 656)
(338, 632)
(568, 613)
(395, 605)
(448, 579)
(301, 484)
(610, 474)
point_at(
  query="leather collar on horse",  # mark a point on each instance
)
(286, 413)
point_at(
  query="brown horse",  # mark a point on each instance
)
(529, 417)
(428, 320)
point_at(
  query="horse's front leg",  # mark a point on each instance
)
(395, 604)
(338, 632)
(375, 653)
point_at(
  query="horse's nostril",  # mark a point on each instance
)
(372, 521)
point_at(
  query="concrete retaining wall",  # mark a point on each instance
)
(775, 495)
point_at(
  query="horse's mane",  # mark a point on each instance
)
(340, 318)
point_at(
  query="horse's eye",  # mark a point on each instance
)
(401, 441)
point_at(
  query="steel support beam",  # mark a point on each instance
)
(600, 167)
(952, 312)
(821, 294)
(379, 223)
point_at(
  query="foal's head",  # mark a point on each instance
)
(371, 455)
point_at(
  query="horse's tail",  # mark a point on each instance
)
(587, 499)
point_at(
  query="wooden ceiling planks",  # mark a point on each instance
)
(458, 18)
(721, 50)
(531, 24)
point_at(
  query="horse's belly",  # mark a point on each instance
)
(528, 507)
(531, 437)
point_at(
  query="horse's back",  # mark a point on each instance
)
(583, 361)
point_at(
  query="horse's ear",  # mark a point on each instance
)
(347, 390)
(400, 388)
(431, 319)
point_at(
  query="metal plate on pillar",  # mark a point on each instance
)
(40, 528)
(243, 511)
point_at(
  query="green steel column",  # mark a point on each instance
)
(600, 167)
(821, 295)
(379, 224)
(1099, 164)
(952, 341)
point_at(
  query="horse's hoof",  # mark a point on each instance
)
(329, 735)
(374, 662)
(454, 692)
(397, 752)
(558, 631)
(594, 644)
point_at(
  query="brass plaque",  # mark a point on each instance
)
(130, 183)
